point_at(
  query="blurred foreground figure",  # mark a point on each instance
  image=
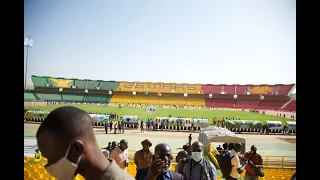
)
(66, 138)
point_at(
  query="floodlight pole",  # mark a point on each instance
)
(29, 43)
(25, 76)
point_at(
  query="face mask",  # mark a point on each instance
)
(196, 156)
(63, 169)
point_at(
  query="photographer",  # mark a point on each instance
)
(253, 168)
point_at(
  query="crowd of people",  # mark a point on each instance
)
(66, 138)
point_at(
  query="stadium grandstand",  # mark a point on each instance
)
(249, 96)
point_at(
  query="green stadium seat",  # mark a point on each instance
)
(92, 84)
(97, 98)
(49, 96)
(109, 85)
(29, 97)
(39, 81)
(72, 97)
(80, 84)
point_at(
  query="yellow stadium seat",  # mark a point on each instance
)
(31, 168)
(36, 174)
(42, 170)
(27, 174)
(41, 163)
(29, 178)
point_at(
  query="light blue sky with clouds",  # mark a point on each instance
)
(205, 41)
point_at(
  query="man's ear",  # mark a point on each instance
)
(76, 150)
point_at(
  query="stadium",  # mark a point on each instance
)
(262, 97)
(263, 103)
(172, 89)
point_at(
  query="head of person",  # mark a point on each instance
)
(253, 149)
(225, 146)
(197, 151)
(123, 145)
(237, 147)
(109, 144)
(231, 146)
(181, 155)
(162, 152)
(113, 145)
(146, 144)
(66, 138)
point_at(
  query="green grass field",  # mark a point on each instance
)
(164, 112)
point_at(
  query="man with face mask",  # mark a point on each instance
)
(160, 167)
(66, 138)
(197, 167)
(143, 158)
(120, 154)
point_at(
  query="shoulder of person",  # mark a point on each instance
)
(210, 164)
(115, 172)
(175, 175)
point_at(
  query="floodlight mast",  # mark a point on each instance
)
(28, 42)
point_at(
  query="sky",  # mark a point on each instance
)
(205, 41)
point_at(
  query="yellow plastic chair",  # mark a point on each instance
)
(31, 168)
(36, 174)
(27, 174)
(42, 170)
(48, 176)
(29, 178)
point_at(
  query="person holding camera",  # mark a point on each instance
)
(253, 168)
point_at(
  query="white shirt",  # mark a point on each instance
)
(236, 164)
